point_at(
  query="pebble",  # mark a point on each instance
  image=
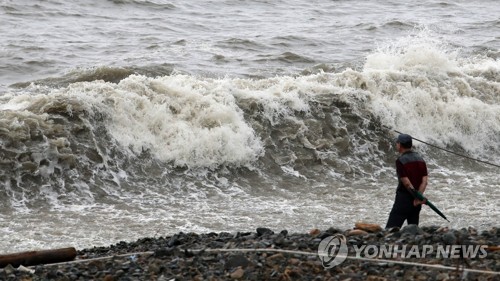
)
(238, 273)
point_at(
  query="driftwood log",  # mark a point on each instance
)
(38, 257)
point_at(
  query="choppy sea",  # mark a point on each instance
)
(131, 118)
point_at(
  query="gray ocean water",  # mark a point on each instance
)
(124, 119)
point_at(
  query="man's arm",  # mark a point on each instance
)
(407, 184)
(423, 185)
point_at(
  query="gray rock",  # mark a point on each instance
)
(237, 261)
(264, 231)
(9, 269)
(411, 229)
(442, 276)
(449, 238)
(284, 233)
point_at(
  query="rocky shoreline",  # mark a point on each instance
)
(268, 255)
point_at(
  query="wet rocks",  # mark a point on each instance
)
(270, 255)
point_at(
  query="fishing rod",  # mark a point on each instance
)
(447, 150)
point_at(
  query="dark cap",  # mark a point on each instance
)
(405, 140)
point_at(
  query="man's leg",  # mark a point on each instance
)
(396, 217)
(414, 217)
(401, 210)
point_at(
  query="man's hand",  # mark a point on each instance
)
(417, 202)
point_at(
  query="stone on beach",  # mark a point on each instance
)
(368, 227)
(356, 232)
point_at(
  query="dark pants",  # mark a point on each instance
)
(402, 210)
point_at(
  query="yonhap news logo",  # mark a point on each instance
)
(424, 251)
(333, 250)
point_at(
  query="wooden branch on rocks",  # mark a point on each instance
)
(38, 257)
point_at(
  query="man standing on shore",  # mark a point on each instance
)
(412, 175)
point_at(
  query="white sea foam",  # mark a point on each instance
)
(182, 119)
(422, 89)
(280, 97)
(418, 52)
